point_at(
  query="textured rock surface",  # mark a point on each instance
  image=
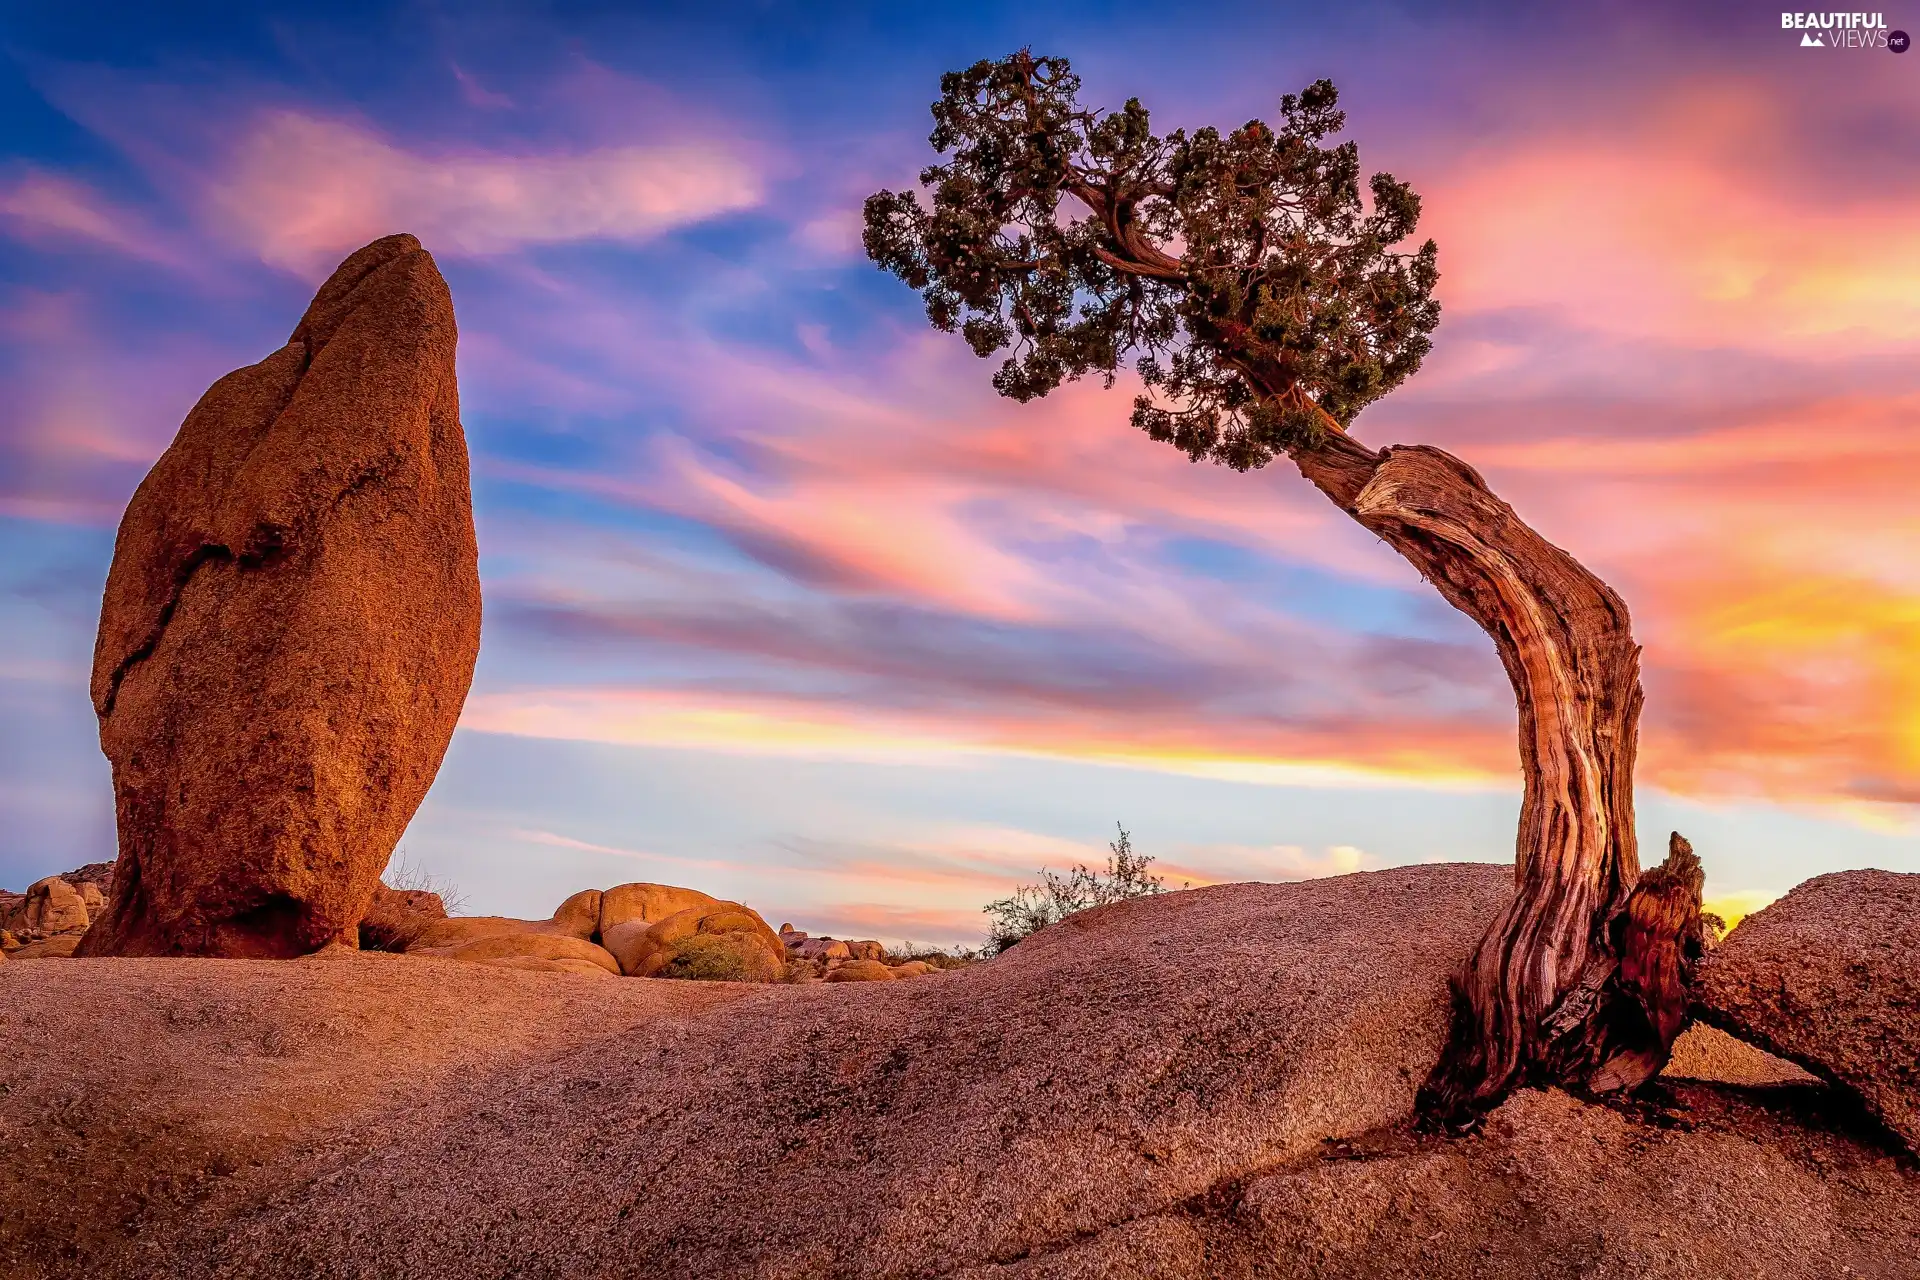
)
(1708, 1053)
(50, 906)
(1148, 1092)
(536, 964)
(290, 626)
(1119, 1065)
(1829, 977)
(655, 950)
(58, 947)
(861, 971)
(577, 917)
(92, 896)
(647, 903)
(1552, 1187)
(523, 946)
(821, 949)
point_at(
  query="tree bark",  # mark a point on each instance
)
(1576, 981)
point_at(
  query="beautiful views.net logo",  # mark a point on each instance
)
(1844, 31)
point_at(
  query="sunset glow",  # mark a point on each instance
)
(744, 520)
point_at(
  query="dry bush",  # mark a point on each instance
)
(408, 898)
(408, 876)
(938, 957)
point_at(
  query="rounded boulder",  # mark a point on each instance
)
(680, 946)
(861, 971)
(54, 906)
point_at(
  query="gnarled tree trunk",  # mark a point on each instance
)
(1581, 981)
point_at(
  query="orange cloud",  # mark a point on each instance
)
(1671, 222)
(1391, 749)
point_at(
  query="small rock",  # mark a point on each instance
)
(861, 971)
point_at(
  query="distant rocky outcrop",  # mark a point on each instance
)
(1829, 977)
(48, 919)
(562, 943)
(638, 930)
(54, 947)
(860, 971)
(289, 628)
(829, 959)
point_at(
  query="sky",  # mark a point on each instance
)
(783, 603)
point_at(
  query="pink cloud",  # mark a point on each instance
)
(1678, 222)
(301, 190)
(48, 207)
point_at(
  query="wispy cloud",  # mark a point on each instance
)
(304, 189)
(47, 207)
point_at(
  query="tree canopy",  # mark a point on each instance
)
(1262, 298)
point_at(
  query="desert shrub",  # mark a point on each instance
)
(408, 899)
(1033, 907)
(723, 957)
(938, 957)
(408, 876)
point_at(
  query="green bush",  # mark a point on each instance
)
(723, 957)
(1033, 907)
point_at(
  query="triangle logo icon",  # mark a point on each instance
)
(1812, 41)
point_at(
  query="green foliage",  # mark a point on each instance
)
(1052, 229)
(1033, 907)
(722, 957)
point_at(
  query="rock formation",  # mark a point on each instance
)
(289, 628)
(861, 971)
(638, 931)
(821, 949)
(50, 906)
(53, 947)
(1829, 977)
(725, 941)
(1210, 1085)
(552, 952)
(647, 903)
(577, 917)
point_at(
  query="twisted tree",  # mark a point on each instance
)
(1265, 303)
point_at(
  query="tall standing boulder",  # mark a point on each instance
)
(290, 628)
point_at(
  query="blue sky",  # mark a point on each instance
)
(783, 603)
